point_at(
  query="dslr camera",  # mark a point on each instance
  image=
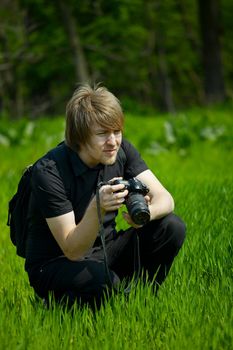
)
(135, 202)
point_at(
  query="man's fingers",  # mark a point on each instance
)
(128, 219)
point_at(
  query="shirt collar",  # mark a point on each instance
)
(78, 166)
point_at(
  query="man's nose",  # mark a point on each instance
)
(111, 138)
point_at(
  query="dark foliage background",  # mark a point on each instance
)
(167, 55)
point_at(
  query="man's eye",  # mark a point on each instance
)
(106, 132)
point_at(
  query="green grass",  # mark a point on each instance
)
(193, 309)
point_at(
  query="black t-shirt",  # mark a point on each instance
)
(52, 196)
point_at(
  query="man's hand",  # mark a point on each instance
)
(112, 197)
(129, 221)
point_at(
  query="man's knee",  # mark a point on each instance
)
(176, 229)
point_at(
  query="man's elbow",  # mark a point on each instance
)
(72, 255)
(171, 203)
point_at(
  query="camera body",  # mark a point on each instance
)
(135, 202)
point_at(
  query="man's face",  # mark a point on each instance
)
(102, 146)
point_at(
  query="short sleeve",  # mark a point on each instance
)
(48, 189)
(134, 164)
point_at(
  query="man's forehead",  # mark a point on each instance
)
(96, 127)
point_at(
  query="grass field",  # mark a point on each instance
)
(192, 155)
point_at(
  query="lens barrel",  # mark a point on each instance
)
(138, 208)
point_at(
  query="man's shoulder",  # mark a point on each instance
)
(52, 155)
(53, 168)
(134, 164)
(129, 149)
(51, 159)
(125, 143)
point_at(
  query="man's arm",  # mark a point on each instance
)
(160, 201)
(75, 240)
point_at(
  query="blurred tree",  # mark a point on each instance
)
(146, 52)
(209, 16)
(158, 63)
(79, 59)
(164, 78)
(13, 44)
(187, 19)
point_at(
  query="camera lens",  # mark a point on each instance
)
(138, 208)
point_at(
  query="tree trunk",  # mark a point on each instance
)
(209, 14)
(165, 80)
(80, 64)
(194, 43)
(157, 48)
(8, 91)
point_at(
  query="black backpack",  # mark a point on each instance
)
(17, 212)
(19, 203)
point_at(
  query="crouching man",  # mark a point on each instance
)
(64, 254)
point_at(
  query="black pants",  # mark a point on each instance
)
(86, 281)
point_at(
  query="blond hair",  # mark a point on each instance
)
(89, 106)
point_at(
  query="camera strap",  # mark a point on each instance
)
(137, 262)
(102, 236)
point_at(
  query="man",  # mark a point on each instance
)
(64, 254)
